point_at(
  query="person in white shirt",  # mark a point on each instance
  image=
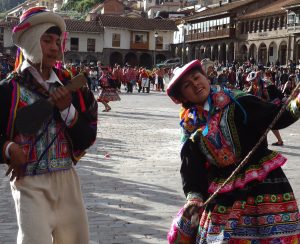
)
(44, 183)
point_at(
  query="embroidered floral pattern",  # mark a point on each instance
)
(268, 217)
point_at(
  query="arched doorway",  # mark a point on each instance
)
(272, 53)
(202, 52)
(282, 53)
(146, 60)
(243, 53)
(115, 57)
(197, 54)
(253, 52)
(297, 54)
(207, 52)
(262, 54)
(230, 53)
(131, 59)
(222, 54)
(215, 52)
(187, 54)
(178, 52)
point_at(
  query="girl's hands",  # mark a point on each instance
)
(192, 210)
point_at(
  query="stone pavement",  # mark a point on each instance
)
(130, 177)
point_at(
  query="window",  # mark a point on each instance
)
(291, 18)
(74, 44)
(139, 38)
(91, 43)
(1, 29)
(159, 42)
(116, 40)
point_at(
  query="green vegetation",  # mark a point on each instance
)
(81, 6)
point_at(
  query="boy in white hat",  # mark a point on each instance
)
(219, 128)
(44, 184)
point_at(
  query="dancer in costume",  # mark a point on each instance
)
(220, 127)
(44, 183)
(109, 89)
(267, 92)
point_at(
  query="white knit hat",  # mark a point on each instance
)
(33, 24)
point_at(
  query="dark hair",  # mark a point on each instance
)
(54, 30)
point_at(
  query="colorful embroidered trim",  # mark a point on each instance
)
(250, 174)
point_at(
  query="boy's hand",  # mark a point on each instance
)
(61, 98)
(17, 162)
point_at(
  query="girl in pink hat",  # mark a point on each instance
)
(219, 128)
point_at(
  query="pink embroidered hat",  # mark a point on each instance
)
(178, 74)
(33, 17)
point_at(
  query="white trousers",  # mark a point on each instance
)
(50, 209)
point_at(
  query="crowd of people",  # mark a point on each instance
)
(224, 113)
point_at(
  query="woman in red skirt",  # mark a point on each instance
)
(109, 89)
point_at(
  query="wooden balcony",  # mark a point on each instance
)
(139, 45)
(211, 35)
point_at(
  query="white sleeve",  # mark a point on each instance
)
(68, 114)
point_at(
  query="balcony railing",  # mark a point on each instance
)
(215, 34)
(293, 27)
(139, 45)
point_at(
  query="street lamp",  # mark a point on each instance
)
(155, 38)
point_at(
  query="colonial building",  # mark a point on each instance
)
(266, 36)
(111, 39)
(117, 8)
(136, 41)
(293, 28)
(212, 33)
(243, 29)
(84, 41)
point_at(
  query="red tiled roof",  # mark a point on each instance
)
(111, 21)
(136, 23)
(83, 26)
(291, 3)
(271, 9)
(225, 8)
(72, 25)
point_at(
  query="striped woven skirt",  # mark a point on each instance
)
(262, 212)
(108, 95)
